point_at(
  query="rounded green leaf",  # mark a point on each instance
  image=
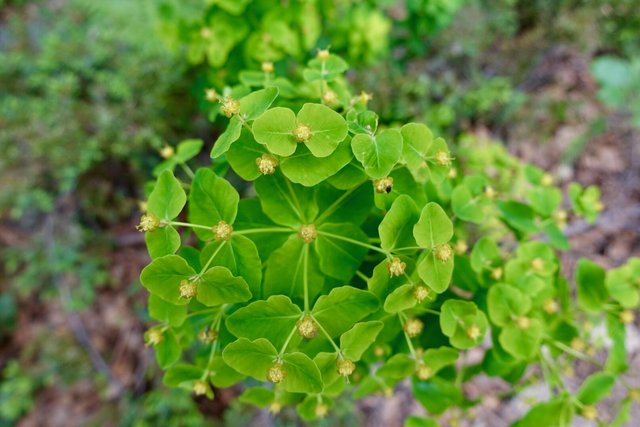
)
(286, 203)
(274, 129)
(187, 150)
(437, 395)
(240, 256)
(162, 241)
(342, 307)
(243, 154)
(466, 206)
(163, 276)
(396, 228)
(218, 286)
(182, 375)
(378, 153)
(358, 339)
(438, 358)
(168, 350)
(506, 302)
(303, 167)
(435, 273)
(522, 343)
(417, 140)
(165, 312)
(301, 374)
(401, 299)
(212, 199)
(592, 293)
(252, 358)
(227, 138)
(595, 388)
(328, 128)
(397, 367)
(284, 274)
(434, 227)
(167, 198)
(256, 103)
(338, 258)
(272, 319)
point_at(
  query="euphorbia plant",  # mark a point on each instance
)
(361, 255)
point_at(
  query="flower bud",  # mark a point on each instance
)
(577, 344)
(453, 173)
(396, 267)
(444, 252)
(230, 106)
(460, 247)
(550, 306)
(442, 158)
(207, 336)
(627, 317)
(634, 394)
(267, 164)
(222, 230)
(424, 372)
(496, 273)
(473, 332)
(267, 67)
(275, 407)
(537, 265)
(307, 327)
(590, 412)
(523, 322)
(365, 97)
(200, 388)
(302, 132)
(167, 152)
(420, 293)
(383, 185)
(345, 367)
(205, 33)
(211, 95)
(308, 233)
(413, 327)
(154, 337)
(148, 222)
(546, 180)
(323, 54)
(276, 373)
(321, 410)
(330, 97)
(188, 289)
(489, 192)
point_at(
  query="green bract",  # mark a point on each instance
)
(353, 257)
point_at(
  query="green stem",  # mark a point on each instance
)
(264, 230)
(206, 266)
(354, 242)
(575, 353)
(214, 345)
(305, 277)
(403, 320)
(187, 170)
(326, 334)
(361, 275)
(286, 343)
(187, 224)
(428, 310)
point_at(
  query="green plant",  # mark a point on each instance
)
(338, 273)
(618, 79)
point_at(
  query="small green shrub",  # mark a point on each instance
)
(362, 254)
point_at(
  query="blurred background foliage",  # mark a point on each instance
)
(90, 91)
